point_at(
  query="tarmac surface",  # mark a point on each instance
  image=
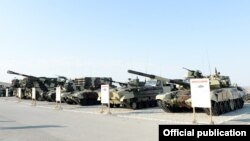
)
(23, 122)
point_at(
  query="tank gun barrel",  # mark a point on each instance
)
(120, 83)
(151, 76)
(188, 69)
(180, 82)
(117, 82)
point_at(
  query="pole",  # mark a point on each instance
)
(194, 116)
(58, 98)
(33, 97)
(109, 109)
(211, 116)
(19, 94)
(7, 92)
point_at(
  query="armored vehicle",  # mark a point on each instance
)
(3, 90)
(168, 85)
(42, 84)
(224, 96)
(15, 83)
(2, 94)
(86, 90)
(63, 83)
(137, 94)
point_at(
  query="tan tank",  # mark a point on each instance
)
(137, 94)
(224, 96)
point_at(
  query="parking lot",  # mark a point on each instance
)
(21, 121)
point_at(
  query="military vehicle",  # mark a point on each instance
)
(3, 87)
(42, 84)
(137, 94)
(2, 94)
(166, 84)
(3, 91)
(86, 90)
(224, 96)
(15, 83)
(68, 89)
(61, 82)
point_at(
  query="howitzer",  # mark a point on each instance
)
(42, 84)
(151, 76)
(31, 79)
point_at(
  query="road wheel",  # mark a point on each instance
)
(153, 103)
(111, 105)
(140, 105)
(226, 106)
(237, 103)
(231, 105)
(168, 108)
(241, 101)
(134, 105)
(146, 104)
(215, 109)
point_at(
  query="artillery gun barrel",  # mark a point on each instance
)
(15, 73)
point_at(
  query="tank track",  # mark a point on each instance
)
(170, 109)
(223, 107)
(135, 104)
(218, 108)
(90, 98)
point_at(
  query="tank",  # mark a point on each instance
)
(224, 96)
(169, 85)
(86, 90)
(42, 84)
(137, 94)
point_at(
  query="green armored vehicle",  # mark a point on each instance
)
(62, 82)
(86, 90)
(224, 96)
(169, 85)
(136, 94)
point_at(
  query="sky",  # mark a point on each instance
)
(78, 38)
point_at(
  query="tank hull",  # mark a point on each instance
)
(223, 100)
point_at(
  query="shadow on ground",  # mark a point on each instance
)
(30, 127)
